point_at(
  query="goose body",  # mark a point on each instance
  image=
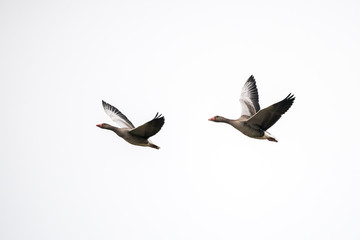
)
(254, 122)
(135, 135)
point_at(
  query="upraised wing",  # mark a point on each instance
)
(249, 98)
(117, 116)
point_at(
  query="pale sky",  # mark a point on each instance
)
(61, 177)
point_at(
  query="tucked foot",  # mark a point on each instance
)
(153, 146)
(271, 139)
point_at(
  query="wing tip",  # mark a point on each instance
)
(289, 100)
(251, 83)
(159, 116)
(104, 103)
(251, 78)
(290, 97)
(160, 119)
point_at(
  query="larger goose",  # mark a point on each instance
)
(253, 121)
(137, 136)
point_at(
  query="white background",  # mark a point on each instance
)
(61, 177)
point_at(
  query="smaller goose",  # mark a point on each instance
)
(136, 136)
(253, 121)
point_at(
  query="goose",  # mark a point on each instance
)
(134, 135)
(254, 122)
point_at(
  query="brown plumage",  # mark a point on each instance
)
(254, 122)
(136, 136)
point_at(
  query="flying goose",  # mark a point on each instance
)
(254, 122)
(134, 135)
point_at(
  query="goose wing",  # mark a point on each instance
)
(249, 98)
(117, 116)
(150, 128)
(267, 117)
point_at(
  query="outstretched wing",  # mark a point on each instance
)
(267, 117)
(117, 116)
(249, 98)
(150, 128)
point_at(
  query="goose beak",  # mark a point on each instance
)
(212, 119)
(99, 125)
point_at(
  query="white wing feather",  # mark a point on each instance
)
(119, 118)
(249, 98)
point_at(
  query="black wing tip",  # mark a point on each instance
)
(159, 116)
(251, 82)
(290, 97)
(108, 106)
(160, 119)
(289, 100)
